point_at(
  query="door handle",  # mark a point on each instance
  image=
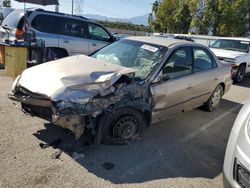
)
(66, 41)
(93, 44)
(189, 86)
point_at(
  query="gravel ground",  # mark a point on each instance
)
(184, 151)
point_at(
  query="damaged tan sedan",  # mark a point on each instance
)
(117, 92)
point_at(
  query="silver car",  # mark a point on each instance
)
(236, 167)
(64, 34)
(121, 89)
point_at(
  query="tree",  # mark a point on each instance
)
(199, 23)
(174, 16)
(183, 18)
(220, 17)
(153, 25)
(6, 3)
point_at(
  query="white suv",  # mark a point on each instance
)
(64, 34)
(236, 52)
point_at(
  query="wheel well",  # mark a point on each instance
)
(57, 49)
(100, 123)
(243, 64)
(223, 86)
(146, 113)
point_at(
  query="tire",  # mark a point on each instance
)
(123, 126)
(55, 53)
(214, 99)
(240, 74)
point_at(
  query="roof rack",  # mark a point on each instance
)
(59, 13)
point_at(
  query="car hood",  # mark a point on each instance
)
(79, 72)
(226, 53)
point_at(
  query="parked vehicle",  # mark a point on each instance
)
(64, 34)
(236, 167)
(234, 51)
(121, 89)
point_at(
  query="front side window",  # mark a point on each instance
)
(96, 32)
(45, 23)
(179, 64)
(202, 60)
(141, 56)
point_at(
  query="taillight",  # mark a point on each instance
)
(19, 34)
(233, 66)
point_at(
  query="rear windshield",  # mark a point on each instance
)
(12, 19)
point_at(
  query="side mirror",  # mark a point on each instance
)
(112, 38)
(161, 78)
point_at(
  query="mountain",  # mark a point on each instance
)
(139, 20)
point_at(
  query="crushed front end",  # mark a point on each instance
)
(78, 106)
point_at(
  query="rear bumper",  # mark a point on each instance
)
(234, 72)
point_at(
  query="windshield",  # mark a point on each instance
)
(12, 19)
(234, 45)
(133, 54)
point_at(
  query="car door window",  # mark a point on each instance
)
(73, 28)
(45, 23)
(202, 60)
(179, 64)
(96, 32)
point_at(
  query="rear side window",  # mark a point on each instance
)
(74, 28)
(202, 60)
(12, 19)
(45, 23)
(96, 32)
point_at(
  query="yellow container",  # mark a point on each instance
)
(15, 60)
(2, 54)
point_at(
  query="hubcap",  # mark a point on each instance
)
(126, 127)
(216, 98)
(241, 74)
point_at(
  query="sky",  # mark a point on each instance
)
(109, 8)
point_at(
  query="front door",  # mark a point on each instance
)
(172, 95)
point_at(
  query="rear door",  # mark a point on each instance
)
(45, 27)
(99, 37)
(171, 96)
(205, 77)
(73, 36)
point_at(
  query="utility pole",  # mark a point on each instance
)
(57, 8)
(72, 7)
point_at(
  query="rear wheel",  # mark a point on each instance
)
(214, 99)
(124, 126)
(240, 74)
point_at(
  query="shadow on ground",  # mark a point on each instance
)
(245, 82)
(190, 144)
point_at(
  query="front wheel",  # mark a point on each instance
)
(214, 99)
(240, 74)
(124, 126)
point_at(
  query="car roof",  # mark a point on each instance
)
(167, 42)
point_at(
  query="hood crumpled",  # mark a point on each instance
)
(56, 79)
